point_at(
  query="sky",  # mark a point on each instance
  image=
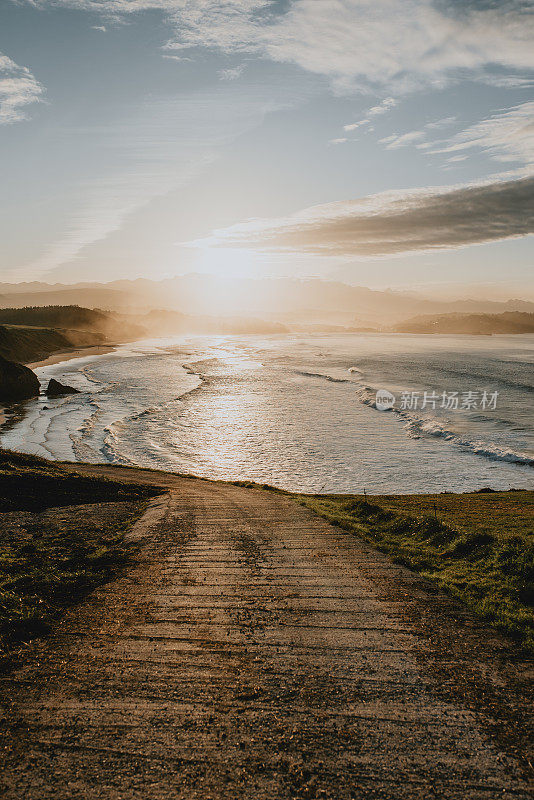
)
(385, 143)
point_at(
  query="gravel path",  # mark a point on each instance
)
(255, 651)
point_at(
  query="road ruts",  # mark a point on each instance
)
(253, 651)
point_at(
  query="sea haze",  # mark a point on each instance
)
(296, 411)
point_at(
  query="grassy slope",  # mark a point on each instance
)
(478, 547)
(29, 344)
(60, 536)
(26, 344)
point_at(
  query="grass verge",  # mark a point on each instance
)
(478, 547)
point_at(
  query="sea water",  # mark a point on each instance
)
(299, 411)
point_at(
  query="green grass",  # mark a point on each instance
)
(477, 547)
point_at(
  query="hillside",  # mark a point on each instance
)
(74, 318)
(34, 333)
(481, 324)
(31, 344)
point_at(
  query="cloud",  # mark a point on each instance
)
(232, 73)
(507, 81)
(508, 135)
(360, 45)
(364, 44)
(341, 140)
(383, 107)
(440, 123)
(397, 140)
(394, 223)
(18, 89)
(394, 142)
(177, 58)
(99, 28)
(352, 126)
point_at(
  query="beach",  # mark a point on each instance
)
(67, 355)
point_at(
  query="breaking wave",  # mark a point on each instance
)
(417, 427)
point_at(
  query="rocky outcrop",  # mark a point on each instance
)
(56, 389)
(17, 382)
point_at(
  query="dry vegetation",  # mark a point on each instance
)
(60, 536)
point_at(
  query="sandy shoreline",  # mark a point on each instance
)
(68, 355)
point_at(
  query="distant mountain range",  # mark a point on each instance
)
(288, 301)
(509, 322)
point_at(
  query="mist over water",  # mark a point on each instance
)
(296, 411)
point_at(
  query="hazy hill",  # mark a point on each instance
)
(31, 334)
(74, 318)
(46, 296)
(277, 298)
(508, 322)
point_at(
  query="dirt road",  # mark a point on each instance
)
(255, 651)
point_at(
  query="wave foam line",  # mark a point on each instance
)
(418, 426)
(324, 377)
(432, 427)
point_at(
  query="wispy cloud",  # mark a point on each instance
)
(18, 89)
(382, 108)
(176, 58)
(508, 135)
(157, 149)
(352, 126)
(360, 45)
(394, 223)
(395, 141)
(440, 123)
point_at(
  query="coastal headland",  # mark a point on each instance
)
(234, 644)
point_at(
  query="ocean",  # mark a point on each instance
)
(299, 411)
